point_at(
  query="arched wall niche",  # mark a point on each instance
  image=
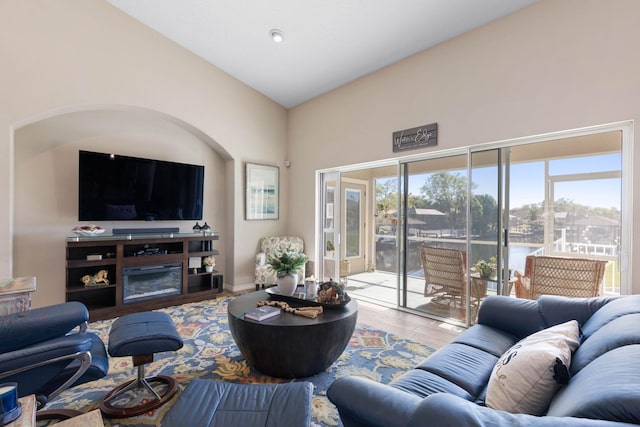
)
(45, 180)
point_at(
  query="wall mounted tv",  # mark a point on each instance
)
(121, 188)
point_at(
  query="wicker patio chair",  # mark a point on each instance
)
(445, 276)
(572, 277)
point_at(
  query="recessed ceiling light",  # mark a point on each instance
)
(276, 35)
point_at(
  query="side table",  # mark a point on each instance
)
(89, 419)
(15, 294)
(28, 417)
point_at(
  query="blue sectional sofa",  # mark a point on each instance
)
(450, 387)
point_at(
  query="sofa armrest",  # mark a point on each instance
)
(42, 353)
(362, 402)
(447, 410)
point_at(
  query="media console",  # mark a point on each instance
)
(144, 272)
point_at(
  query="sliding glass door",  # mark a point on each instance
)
(330, 219)
(488, 254)
(354, 227)
(436, 219)
(558, 198)
(486, 209)
(566, 200)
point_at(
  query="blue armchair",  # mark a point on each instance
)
(47, 350)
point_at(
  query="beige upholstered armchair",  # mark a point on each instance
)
(548, 275)
(265, 275)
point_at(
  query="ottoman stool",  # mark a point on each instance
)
(140, 335)
(206, 403)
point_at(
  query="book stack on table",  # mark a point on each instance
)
(262, 313)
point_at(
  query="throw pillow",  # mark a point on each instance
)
(526, 377)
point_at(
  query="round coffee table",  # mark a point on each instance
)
(290, 345)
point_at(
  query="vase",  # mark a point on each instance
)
(287, 283)
(208, 268)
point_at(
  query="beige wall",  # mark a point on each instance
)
(76, 55)
(558, 65)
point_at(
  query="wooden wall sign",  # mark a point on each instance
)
(410, 139)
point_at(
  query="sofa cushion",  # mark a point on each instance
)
(500, 311)
(619, 307)
(525, 378)
(618, 332)
(423, 383)
(487, 338)
(445, 410)
(556, 309)
(606, 389)
(467, 367)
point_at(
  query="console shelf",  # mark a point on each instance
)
(120, 254)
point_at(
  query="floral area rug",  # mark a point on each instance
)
(210, 352)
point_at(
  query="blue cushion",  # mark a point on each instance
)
(556, 309)
(614, 309)
(25, 328)
(207, 403)
(487, 338)
(467, 367)
(605, 389)
(620, 331)
(500, 311)
(423, 383)
(143, 333)
(445, 410)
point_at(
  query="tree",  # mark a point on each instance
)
(414, 202)
(447, 192)
(485, 220)
(386, 199)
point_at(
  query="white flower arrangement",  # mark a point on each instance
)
(486, 268)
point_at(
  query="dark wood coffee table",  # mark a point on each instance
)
(290, 345)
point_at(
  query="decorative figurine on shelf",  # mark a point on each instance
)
(206, 230)
(208, 263)
(196, 228)
(98, 279)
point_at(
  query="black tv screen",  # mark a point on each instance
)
(121, 188)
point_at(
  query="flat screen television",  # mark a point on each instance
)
(121, 188)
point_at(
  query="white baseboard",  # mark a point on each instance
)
(240, 288)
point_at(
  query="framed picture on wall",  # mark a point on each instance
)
(262, 194)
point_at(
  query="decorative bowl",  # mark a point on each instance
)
(297, 297)
(87, 230)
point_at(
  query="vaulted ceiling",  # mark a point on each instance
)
(326, 43)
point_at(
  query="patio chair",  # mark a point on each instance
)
(572, 277)
(445, 276)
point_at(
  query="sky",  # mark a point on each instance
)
(527, 181)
